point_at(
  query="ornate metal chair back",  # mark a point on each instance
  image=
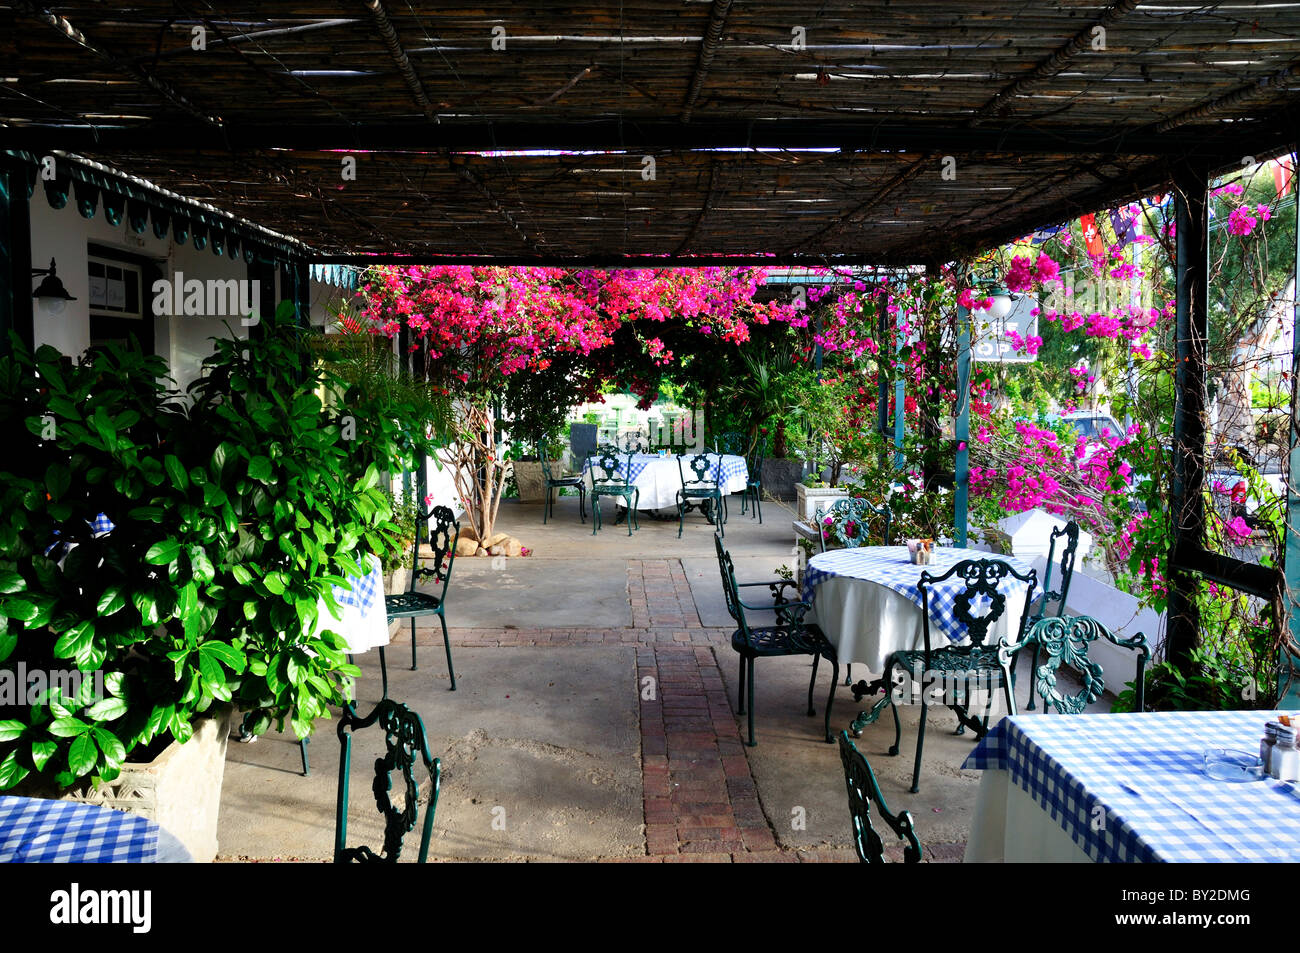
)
(404, 741)
(853, 530)
(984, 579)
(1070, 532)
(730, 442)
(609, 466)
(635, 441)
(1066, 640)
(705, 469)
(863, 792)
(442, 541)
(729, 589)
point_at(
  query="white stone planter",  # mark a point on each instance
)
(810, 500)
(531, 480)
(180, 789)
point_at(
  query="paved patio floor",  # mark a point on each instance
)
(594, 718)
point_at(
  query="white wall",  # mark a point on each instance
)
(183, 341)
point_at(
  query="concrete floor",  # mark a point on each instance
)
(541, 746)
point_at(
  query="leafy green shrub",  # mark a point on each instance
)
(235, 516)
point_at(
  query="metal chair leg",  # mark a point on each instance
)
(546, 503)
(383, 670)
(740, 691)
(446, 642)
(412, 643)
(920, 744)
(848, 673)
(830, 699)
(302, 745)
(758, 505)
(582, 503)
(811, 683)
(752, 742)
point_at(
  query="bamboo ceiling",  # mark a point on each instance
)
(888, 131)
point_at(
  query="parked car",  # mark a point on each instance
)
(1091, 425)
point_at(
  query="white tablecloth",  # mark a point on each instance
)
(1002, 808)
(867, 621)
(658, 478)
(365, 620)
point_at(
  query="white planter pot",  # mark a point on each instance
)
(809, 500)
(180, 789)
(531, 480)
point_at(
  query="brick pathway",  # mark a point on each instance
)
(700, 800)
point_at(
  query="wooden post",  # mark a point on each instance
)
(1191, 197)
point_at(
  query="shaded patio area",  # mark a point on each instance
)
(550, 735)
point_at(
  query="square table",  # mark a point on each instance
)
(1127, 788)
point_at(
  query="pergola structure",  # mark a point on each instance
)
(670, 132)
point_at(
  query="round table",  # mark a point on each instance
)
(36, 830)
(659, 479)
(868, 604)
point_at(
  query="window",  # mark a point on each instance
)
(115, 289)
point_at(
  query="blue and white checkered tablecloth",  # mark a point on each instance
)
(33, 830)
(1132, 787)
(366, 592)
(731, 465)
(890, 567)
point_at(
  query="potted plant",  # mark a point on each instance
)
(234, 517)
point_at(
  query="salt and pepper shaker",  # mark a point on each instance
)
(1284, 760)
(1268, 741)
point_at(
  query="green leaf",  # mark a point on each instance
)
(68, 727)
(9, 730)
(107, 709)
(76, 641)
(211, 673)
(83, 755)
(114, 750)
(259, 468)
(111, 601)
(147, 607)
(11, 582)
(42, 751)
(176, 471)
(57, 480)
(160, 554)
(241, 574)
(226, 654)
(7, 644)
(275, 582)
(11, 772)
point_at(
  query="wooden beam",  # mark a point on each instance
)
(708, 49)
(1211, 140)
(387, 33)
(1054, 64)
(65, 27)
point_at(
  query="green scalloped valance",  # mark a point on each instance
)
(87, 194)
(114, 207)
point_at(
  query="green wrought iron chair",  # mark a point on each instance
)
(1070, 533)
(858, 511)
(553, 483)
(413, 604)
(754, 483)
(634, 441)
(789, 636)
(953, 667)
(1066, 641)
(609, 478)
(730, 442)
(863, 792)
(861, 510)
(703, 489)
(404, 741)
